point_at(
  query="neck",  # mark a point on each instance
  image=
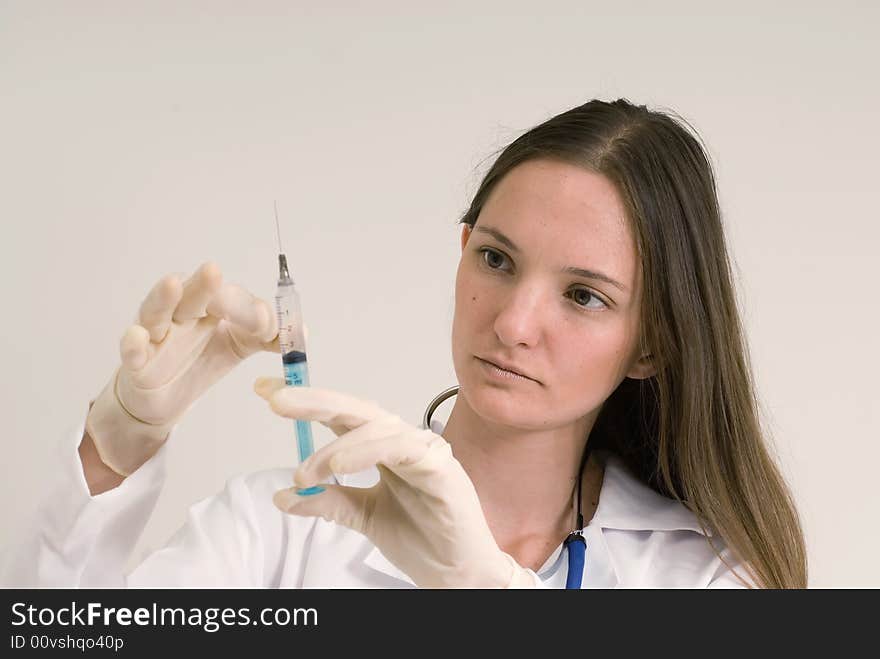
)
(526, 479)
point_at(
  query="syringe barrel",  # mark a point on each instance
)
(291, 337)
(293, 356)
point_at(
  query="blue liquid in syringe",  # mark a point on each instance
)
(296, 373)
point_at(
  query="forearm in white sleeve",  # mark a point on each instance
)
(74, 539)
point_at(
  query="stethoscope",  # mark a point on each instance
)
(575, 543)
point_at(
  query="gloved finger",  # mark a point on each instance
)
(400, 450)
(247, 313)
(319, 466)
(265, 387)
(338, 503)
(135, 348)
(156, 309)
(198, 291)
(330, 408)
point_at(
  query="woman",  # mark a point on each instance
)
(604, 389)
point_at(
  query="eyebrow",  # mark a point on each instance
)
(580, 272)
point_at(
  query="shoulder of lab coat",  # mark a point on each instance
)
(74, 539)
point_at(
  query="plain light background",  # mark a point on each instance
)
(142, 138)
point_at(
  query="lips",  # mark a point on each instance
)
(507, 367)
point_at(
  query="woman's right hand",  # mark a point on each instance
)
(188, 334)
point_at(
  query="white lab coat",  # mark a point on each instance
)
(237, 538)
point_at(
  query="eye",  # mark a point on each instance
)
(490, 255)
(581, 296)
(585, 295)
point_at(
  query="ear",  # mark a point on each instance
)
(643, 368)
(465, 234)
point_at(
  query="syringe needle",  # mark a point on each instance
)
(277, 226)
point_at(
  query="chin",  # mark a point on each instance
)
(504, 406)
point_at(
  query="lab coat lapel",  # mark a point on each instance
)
(628, 513)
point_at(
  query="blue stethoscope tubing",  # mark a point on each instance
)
(577, 554)
(575, 543)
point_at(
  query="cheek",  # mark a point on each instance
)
(465, 300)
(469, 298)
(472, 316)
(464, 280)
(592, 368)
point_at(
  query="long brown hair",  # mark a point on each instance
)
(692, 430)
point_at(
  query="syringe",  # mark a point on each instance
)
(293, 349)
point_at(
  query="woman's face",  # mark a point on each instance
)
(518, 300)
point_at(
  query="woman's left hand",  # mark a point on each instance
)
(423, 514)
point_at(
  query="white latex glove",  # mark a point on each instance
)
(186, 337)
(423, 514)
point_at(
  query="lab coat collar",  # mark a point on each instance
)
(628, 504)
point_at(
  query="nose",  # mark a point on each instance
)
(520, 319)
